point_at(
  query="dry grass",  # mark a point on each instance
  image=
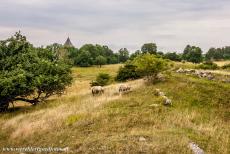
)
(114, 123)
(222, 63)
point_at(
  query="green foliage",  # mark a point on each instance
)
(129, 71)
(208, 65)
(28, 72)
(123, 55)
(101, 80)
(192, 54)
(143, 65)
(173, 56)
(84, 59)
(149, 65)
(149, 48)
(134, 55)
(218, 53)
(90, 54)
(100, 60)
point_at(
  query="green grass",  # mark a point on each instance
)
(90, 73)
(86, 124)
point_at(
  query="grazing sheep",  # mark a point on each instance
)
(97, 90)
(157, 91)
(124, 88)
(161, 94)
(167, 101)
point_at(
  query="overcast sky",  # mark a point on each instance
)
(171, 24)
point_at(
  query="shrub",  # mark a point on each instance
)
(101, 80)
(150, 66)
(129, 71)
(226, 66)
(208, 65)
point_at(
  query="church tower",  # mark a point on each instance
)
(68, 43)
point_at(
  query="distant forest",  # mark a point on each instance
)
(90, 54)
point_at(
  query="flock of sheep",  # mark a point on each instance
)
(96, 90)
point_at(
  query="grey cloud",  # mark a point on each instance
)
(120, 23)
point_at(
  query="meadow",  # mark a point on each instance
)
(135, 122)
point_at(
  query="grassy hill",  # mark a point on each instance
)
(135, 122)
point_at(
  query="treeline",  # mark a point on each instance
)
(90, 54)
(195, 54)
(218, 53)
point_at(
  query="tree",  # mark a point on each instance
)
(149, 65)
(123, 55)
(172, 56)
(135, 54)
(29, 74)
(97, 50)
(218, 53)
(84, 59)
(210, 55)
(100, 60)
(149, 48)
(192, 54)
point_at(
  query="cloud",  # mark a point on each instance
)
(172, 24)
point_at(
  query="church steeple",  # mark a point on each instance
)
(68, 43)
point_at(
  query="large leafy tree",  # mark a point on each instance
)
(89, 53)
(172, 56)
(149, 65)
(149, 48)
(218, 53)
(84, 59)
(29, 74)
(100, 60)
(192, 54)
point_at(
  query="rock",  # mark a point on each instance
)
(142, 139)
(195, 148)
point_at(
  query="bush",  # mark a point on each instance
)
(129, 71)
(101, 80)
(150, 66)
(208, 66)
(226, 66)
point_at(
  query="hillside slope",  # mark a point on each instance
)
(135, 122)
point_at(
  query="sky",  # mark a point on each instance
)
(171, 24)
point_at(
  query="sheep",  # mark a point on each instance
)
(97, 90)
(124, 88)
(167, 101)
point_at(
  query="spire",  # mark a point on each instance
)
(68, 43)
